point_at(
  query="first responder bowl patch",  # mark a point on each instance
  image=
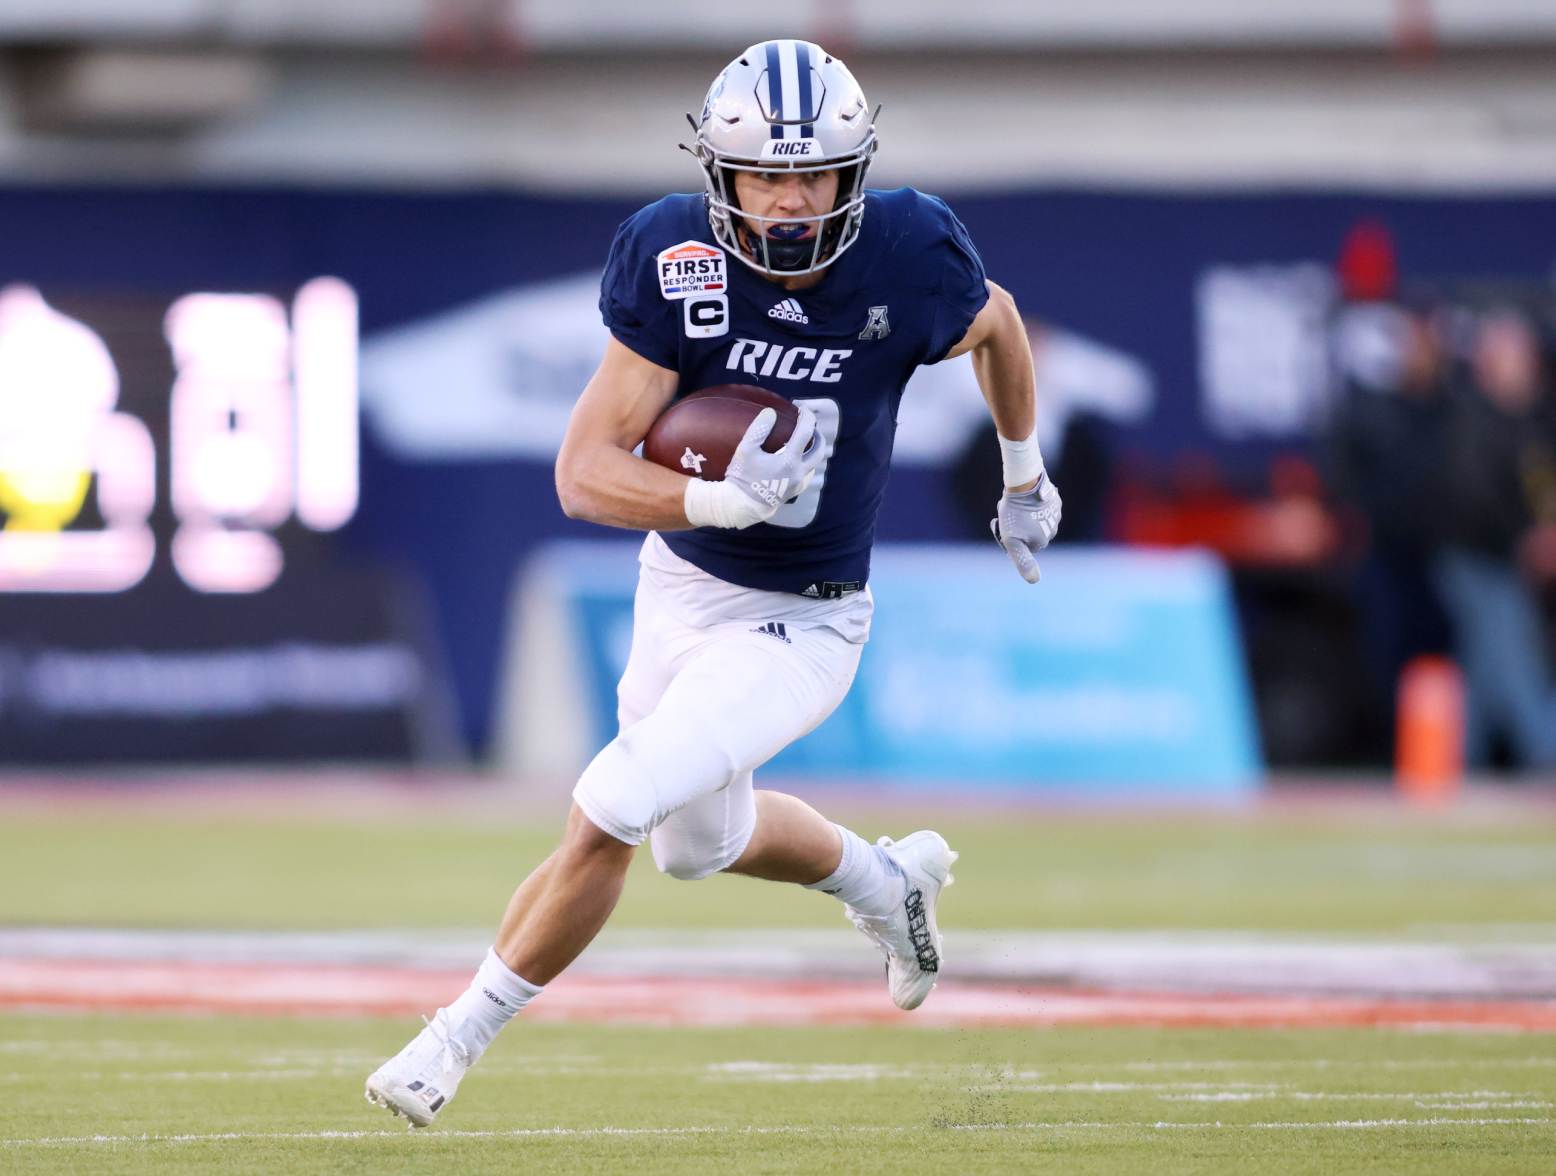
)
(691, 268)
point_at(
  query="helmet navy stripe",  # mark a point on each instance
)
(808, 131)
(775, 87)
(788, 61)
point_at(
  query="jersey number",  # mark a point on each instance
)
(802, 511)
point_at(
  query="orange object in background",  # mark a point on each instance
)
(1429, 737)
(1289, 526)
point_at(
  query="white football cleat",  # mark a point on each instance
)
(423, 1076)
(908, 937)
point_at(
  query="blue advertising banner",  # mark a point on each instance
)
(1120, 674)
(1187, 323)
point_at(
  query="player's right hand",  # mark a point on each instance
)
(756, 483)
(772, 479)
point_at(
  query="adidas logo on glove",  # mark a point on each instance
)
(770, 490)
(790, 311)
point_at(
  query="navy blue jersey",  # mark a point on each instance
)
(902, 296)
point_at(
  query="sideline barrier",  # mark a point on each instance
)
(1119, 675)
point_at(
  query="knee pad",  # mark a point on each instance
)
(645, 774)
(708, 835)
(682, 860)
(683, 866)
(617, 795)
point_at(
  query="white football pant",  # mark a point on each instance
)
(700, 708)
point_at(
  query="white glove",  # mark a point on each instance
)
(757, 483)
(1025, 523)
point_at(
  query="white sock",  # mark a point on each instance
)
(866, 879)
(494, 997)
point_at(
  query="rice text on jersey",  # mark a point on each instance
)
(823, 365)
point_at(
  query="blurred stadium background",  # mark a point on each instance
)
(295, 299)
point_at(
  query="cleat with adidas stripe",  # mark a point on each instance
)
(909, 937)
(419, 1080)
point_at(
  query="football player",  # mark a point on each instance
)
(752, 605)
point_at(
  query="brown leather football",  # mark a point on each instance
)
(697, 434)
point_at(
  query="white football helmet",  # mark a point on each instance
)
(784, 106)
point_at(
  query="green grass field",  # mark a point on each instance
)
(1374, 870)
(158, 1094)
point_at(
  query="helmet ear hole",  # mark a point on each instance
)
(731, 194)
(847, 177)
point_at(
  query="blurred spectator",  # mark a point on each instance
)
(1498, 496)
(1387, 447)
(1368, 265)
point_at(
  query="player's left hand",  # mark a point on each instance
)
(1025, 523)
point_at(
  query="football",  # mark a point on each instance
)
(697, 434)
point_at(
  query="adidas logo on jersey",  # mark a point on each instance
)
(789, 311)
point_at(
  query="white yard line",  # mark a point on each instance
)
(608, 1132)
(1439, 1101)
(1541, 1062)
(153, 1076)
(1368, 1124)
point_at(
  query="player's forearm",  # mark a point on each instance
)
(1003, 364)
(601, 483)
(1002, 361)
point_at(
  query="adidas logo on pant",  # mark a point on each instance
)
(774, 629)
(789, 311)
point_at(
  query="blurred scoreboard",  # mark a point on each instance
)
(171, 471)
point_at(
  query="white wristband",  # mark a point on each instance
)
(721, 504)
(1023, 461)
